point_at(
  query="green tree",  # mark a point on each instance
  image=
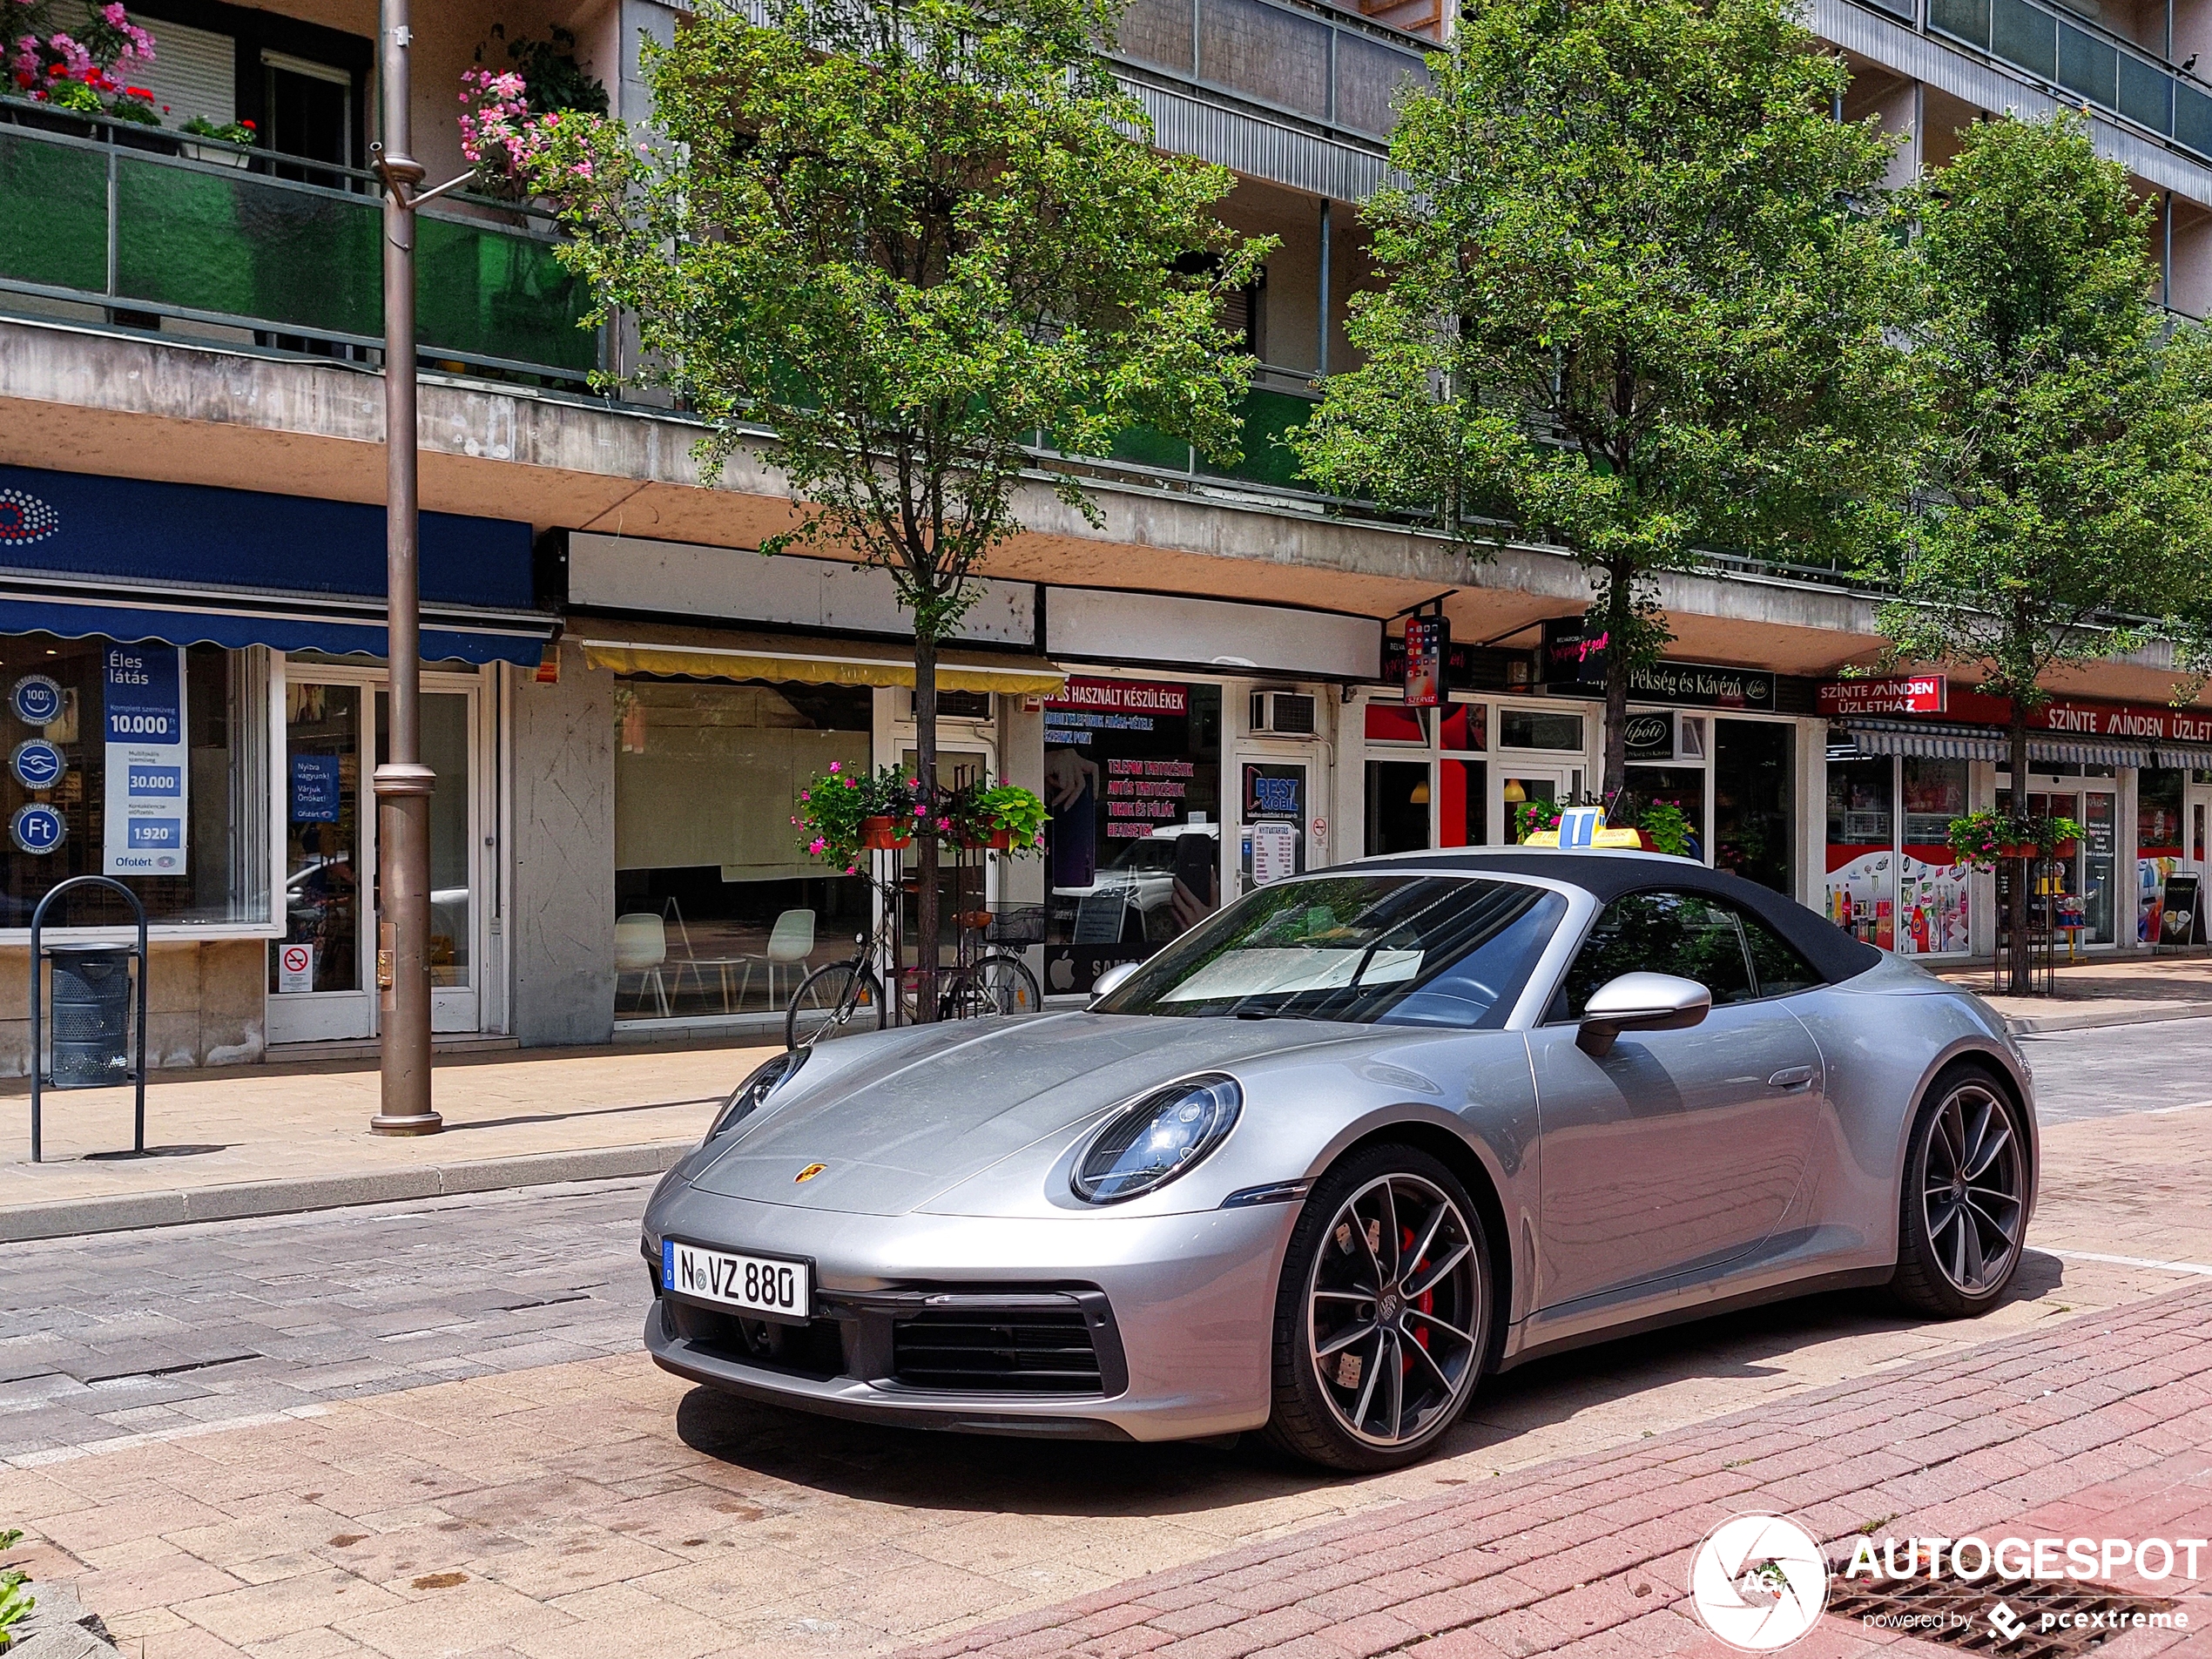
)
(2063, 508)
(899, 245)
(1634, 303)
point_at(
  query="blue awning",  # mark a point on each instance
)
(449, 633)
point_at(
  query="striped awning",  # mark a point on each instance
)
(2184, 757)
(1937, 740)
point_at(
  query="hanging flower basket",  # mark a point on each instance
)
(2016, 850)
(2065, 850)
(881, 834)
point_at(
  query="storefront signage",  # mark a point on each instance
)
(36, 699)
(2137, 722)
(148, 766)
(1899, 694)
(1274, 852)
(1123, 696)
(38, 828)
(2177, 919)
(1428, 639)
(1142, 794)
(314, 789)
(36, 763)
(1650, 737)
(1573, 663)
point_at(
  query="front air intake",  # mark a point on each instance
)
(997, 1351)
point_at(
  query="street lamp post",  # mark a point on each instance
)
(403, 783)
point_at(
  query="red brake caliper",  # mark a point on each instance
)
(1426, 1301)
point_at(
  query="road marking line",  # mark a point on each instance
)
(2129, 1261)
(156, 1437)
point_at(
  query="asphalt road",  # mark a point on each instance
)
(152, 1332)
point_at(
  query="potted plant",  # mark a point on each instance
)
(1531, 816)
(230, 142)
(1978, 839)
(2058, 837)
(1666, 828)
(1002, 817)
(72, 68)
(504, 113)
(832, 806)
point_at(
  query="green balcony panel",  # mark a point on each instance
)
(493, 291)
(1968, 19)
(1148, 448)
(53, 199)
(2019, 34)
(2146, 95)
(239, 243)
(1268, 415)
(2192, 118)
(2088, 66)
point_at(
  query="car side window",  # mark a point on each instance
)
(1780, 968)
(1682, 934)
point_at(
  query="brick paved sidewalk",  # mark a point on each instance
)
(2102, 1423)
(2101, 990)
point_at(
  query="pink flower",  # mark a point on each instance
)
(803, 795)
(816, 844)
(836, 765)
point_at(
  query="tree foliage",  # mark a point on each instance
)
(2063, 508)
(1634, 302)
(905, 240)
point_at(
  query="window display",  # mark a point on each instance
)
(143, 761)
(1862, 848)
(1754, 766)
(2158, 845)
(1132, 775)
(717, 909)
(1933, 889)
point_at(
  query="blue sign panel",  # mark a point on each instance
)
(143, 704)
(143, 710)
(314, 789)
(37, 700)
(36, 763)
(38, 828)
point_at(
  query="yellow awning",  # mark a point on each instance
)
(701, 653)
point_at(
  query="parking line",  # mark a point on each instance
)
(2201, 1268)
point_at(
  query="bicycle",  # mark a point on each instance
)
(849, 993)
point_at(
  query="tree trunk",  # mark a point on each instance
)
(2020, 968)
(926, 827)
(1619, 611)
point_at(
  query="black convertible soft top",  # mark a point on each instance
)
(1607, 873)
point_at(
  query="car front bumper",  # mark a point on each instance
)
(1178, 1312)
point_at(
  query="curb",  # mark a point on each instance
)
(2023, 1025)
(124, 1212)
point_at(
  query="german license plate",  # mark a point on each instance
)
(758, 1283)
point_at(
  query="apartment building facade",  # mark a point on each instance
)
(622, 693)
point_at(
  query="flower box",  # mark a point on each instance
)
(881, 834)
(2064, 849)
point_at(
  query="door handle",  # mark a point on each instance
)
(1790, 1078)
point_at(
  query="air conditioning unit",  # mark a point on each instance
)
(1284, 714)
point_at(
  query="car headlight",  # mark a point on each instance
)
(747, 1096)
(1155, 1138)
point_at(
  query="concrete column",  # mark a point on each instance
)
(561, 910)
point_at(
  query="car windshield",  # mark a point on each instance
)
(1369, 949)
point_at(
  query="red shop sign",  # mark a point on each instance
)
(1899, 694)
(2136, 722)
(1123, 696)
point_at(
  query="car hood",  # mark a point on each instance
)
(930, 1109)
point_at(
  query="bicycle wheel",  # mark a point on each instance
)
(831, 1000)
(994, 984)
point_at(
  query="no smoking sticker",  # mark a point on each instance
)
(296, 967)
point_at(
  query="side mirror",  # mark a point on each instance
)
(1640, 1002)
(1111, 980)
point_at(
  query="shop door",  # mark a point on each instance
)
(1519, 784)
(1275, 804)
(322, 974)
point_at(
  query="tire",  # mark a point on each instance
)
(994, 984)
(815, 1004)
(1963, 1202)
(1337, 1402)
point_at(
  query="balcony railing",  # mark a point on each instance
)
(2076, 58)
(198, 238)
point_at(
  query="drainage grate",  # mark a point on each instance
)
(2080, 1617)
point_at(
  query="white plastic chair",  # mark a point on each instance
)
(641, 946)
(790, 941)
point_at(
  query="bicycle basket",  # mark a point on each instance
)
(1016, 924)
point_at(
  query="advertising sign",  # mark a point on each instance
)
(1274, 845)
(1123, 696)
(38, 764)
(1574, 662)
(1427, 640)
(148, 766)
(1899, 694)
(38, 828)
(1650, 737)
(37, 699)
(314, 789)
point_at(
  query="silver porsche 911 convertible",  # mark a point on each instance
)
(1325, 1161)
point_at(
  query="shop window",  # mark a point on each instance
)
(1934, 892)
(1754, 766)
(2158, 844)
(1397, 804)
(1395, 723)
(1464, 728)
(1682, 786)
(1862, 825)
(719, 908)
(1133, 848)
(138, 761)
(1538, 729)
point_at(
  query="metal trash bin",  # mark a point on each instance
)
(92, 1015)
